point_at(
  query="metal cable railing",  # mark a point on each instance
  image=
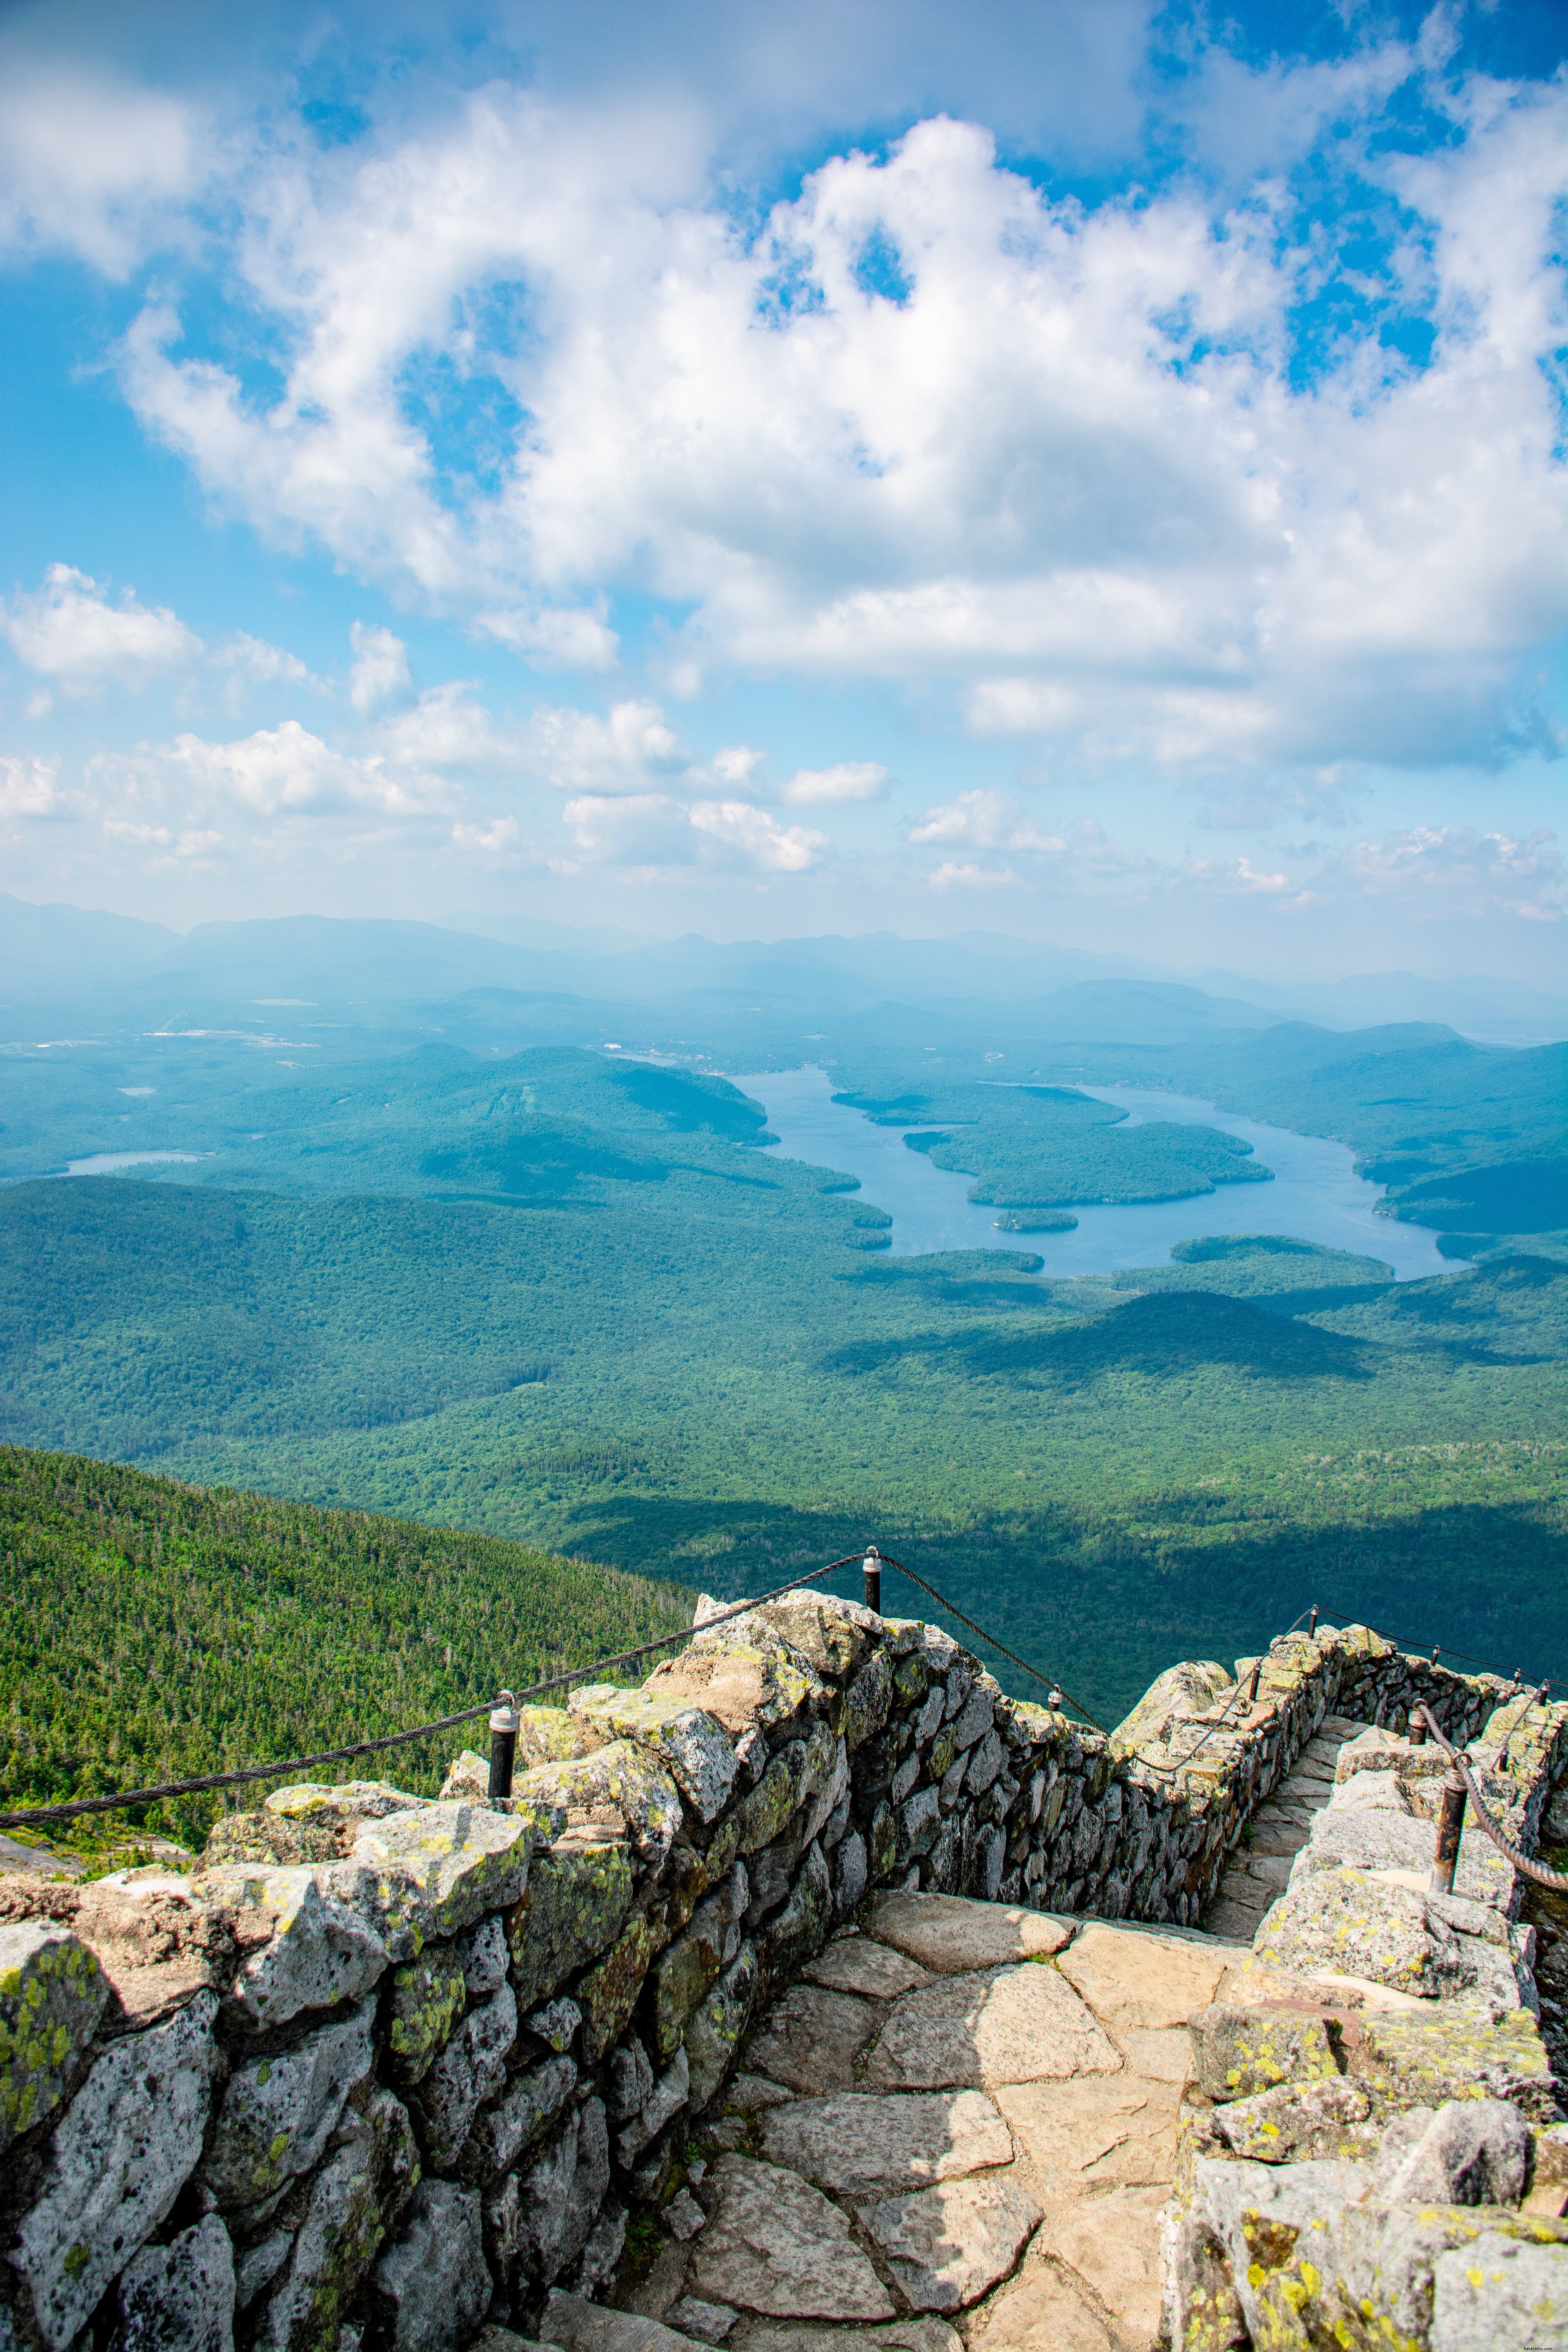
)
(122, 1800)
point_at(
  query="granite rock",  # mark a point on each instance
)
(431, 2286)
(1002, 2025)
(52, 1995)
(951, 1934)
(278, 2112)
(775, 2245)
(118, 2159)
(862, 2146)
(947, 2246)
(179, 2297)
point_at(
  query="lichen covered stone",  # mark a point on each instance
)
(577, 1896)
(1238, 2052)
(462, 1860)
(278, 2112)
(355, 2200)
(608, 1993)
(52, 1994)
(119, 2157)
(688, 1740)
(427, 2000)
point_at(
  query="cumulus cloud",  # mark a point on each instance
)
(279, 772)
(1461, 869)
(654, 830)
(87, 163)
(1062, 455)
(851, 779)
(984, 820)
(579, 751)
(30, 787)
(380, 667)
(69, 630)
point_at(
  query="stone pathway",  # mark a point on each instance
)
(1261, 1863)
(957, 2129)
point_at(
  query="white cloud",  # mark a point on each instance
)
(851, 779)
(984, 820)
(655, 830)
(1071, 471)
(254, 659)
(379, 669)
(578, 752)
(1460, 870)
(278, 772)
(87, 163)
(952, 876)
(555, 637)
(69, 630)
(756, 841)
(30, 787)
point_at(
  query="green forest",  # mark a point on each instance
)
(580, 1348)
(156, 1631)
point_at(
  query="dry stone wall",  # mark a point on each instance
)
(384, 2071)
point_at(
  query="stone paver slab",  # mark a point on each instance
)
(1153, 1982)
(949, 2245)
(866, 2146)
(1045, 2309)
(949, 1934)
(1007, 2025)
(1113, 2244)
(856, 1964)
(1106, 2131)
(775, 2245)
(1158, 2057)
(926, 2334)
(811, 2039)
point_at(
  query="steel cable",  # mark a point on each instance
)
(191, 1788)
(1557, 1879)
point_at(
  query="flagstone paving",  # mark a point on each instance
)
(1277, 1830)
(957, 2129)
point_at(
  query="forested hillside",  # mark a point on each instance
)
(153, 1632)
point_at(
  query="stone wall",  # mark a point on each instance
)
(384, 2069)
(1375, 2150)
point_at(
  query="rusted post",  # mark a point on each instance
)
(1252, 1682)
(1312, 1623)
(873, 1573)
(1417, 1730)
(1450, 1826)
(505, 1725)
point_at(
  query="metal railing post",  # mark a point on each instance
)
(505, 1725)
(873, 1572)
(1450, 1826)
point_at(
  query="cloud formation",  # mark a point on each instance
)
(68, 631)
(926, 421)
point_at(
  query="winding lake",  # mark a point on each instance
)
(1316, 1195)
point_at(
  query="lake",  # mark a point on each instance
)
(1316, 1195)
(103, 1163)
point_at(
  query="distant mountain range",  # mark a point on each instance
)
(61, 957)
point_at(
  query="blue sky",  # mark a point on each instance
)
(1094, 471)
